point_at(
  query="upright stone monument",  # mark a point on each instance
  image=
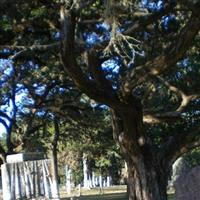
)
(85, 173)
(187, 186)
(179, 167)
(28, 176)
(68, 175)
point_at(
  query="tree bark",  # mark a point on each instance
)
(146, 181)
(55, 148)
(148, 170)
(147, 173)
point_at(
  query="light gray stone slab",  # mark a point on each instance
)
(29, 180)
(20, 157)
(187, 186)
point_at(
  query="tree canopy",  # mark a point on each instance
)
(140, 58)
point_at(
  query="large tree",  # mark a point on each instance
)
(148, 163)
(133, 56)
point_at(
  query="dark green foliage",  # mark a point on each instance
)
(193, 158)
(152, 92)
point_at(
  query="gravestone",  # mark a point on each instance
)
(179, 167)
(85, 173)
(28, 176)
(68, 181)
(20, 157)
(187, 186)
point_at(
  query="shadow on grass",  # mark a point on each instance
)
(121, 196)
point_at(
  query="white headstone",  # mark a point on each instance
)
(85, 173)
(100, 181)
(108, 181)
(20, 157)
(28, 179)
(68, 172)
(93, 180)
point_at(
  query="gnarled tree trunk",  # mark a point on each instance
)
(148, 168)
(147, 173)
(146, 181)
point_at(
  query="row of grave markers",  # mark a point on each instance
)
(29, 176)
(24, 178)
(90, 179)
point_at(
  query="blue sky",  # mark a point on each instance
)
(9, 109)
(91, 38)
(2, 129)
(6, 67)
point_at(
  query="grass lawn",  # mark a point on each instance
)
(110, 193)
(121, 196)
(170, 197)
(100, 197)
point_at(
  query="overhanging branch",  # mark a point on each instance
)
(155, 118)
(167, 60)
(169, 117)
(82, 81)
(34, 47)
(144, 21)
(94, 65)
(24, 50)
(185, 98)
(4, 115)
(180, 143)
(5, 125)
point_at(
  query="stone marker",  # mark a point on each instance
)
(20, 157)
(187, 186)
(28, 179)
(68, 175)
(179, 167)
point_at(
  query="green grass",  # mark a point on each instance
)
(100, 197)
(110, 193)
(170, 197)
(121, 196)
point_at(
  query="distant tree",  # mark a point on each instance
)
(193, 158)
(90, 135)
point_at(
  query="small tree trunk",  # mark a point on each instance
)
(55, 158)
(55, 147)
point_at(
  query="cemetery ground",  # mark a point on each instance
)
(120, 196)
(110, 193)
